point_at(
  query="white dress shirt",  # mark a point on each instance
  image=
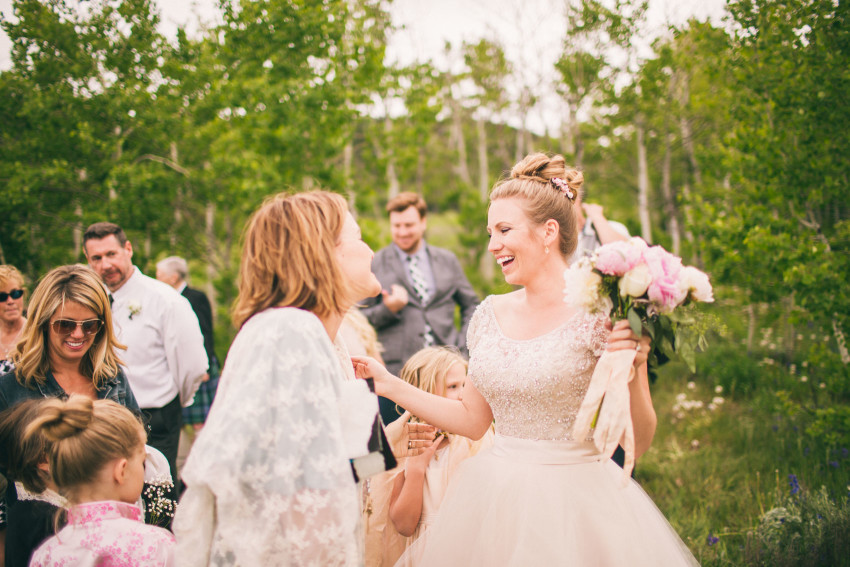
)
(165, 349)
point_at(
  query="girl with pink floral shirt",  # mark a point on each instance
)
(97, 461)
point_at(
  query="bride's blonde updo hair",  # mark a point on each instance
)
(532, 180)
(84, 436)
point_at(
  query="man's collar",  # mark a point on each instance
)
(183, 286)
(128, 283)
(422, 253)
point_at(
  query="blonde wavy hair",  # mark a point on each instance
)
(289, 256)
(9, 274)
(81, 285)
(84, 436)
(531, 179)
(427, 368)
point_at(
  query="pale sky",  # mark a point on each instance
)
(531, 31)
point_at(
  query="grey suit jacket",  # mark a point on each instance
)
(402, 333)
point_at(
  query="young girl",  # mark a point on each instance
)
(97, 461)
(32, 503)
(419, 489)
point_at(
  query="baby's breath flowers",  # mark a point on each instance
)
(158, 503)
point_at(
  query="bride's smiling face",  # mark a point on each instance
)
(515, 242)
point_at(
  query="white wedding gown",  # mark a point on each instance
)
(537, 497)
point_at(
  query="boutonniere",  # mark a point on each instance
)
(135, 308)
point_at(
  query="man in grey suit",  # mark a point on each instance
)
(421, 286)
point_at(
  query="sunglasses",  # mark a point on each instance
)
(66, 326)
(14, 294)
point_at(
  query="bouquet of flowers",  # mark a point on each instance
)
(650, 288)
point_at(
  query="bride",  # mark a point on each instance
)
(538, 497)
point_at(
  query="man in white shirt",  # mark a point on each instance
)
(165, 355)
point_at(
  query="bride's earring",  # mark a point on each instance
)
(546, 249)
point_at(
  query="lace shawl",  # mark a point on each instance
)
(269, 481)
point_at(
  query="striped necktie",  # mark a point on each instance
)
(420, 287)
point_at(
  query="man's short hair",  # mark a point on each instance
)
(101, 230)
(174, 265)
(402, 201)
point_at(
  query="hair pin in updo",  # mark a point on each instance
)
(562, 186)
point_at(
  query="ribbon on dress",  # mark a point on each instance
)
(606, 407)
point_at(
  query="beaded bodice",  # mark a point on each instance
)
(534, 386)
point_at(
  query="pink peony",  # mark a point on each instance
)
(661, 263)
(617, 258)
(666, 294)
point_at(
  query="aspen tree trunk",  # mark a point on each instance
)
(178, 201)
(751, 327)
(462, 168)
(77, 231)
(685, 128)
(643, 184)
(575, 134)
(669, 200)
(347, 159)
(483, 163)
(420, 168)
(393, 185)
(211, 259)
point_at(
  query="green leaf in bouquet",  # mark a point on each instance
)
(650, 327)
(634, 322)
(686, 351)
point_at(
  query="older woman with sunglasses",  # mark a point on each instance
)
(68, 346)
(12, 318)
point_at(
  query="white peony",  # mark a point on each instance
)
(635, 281)
(696, 283)
(582, 286)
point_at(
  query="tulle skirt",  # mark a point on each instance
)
(525, 503)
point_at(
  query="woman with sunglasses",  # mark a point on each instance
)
(68, 347)
(12, 318)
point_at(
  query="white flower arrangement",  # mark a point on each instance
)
(135, 308)
(159, 506)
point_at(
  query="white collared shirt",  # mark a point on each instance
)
(165, 348)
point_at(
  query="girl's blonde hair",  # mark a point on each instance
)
(86, 435)
(427, 369)
(289, 256)
(531, 179)
(81, 285)
(365, 332)
(19, 456)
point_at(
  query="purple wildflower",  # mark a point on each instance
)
(712, 539)
(834, 464)
(793, 484)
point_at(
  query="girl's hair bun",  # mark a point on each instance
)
(60, 419)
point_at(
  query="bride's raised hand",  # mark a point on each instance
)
(368, 367)
(622, 338)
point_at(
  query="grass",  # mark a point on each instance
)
(718, 473)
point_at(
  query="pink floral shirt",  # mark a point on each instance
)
(106, 534)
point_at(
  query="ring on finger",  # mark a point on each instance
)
(637, 348)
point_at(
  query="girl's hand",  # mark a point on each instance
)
(406, 438)
(368, 367)
(622, 337)
(423, 452)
